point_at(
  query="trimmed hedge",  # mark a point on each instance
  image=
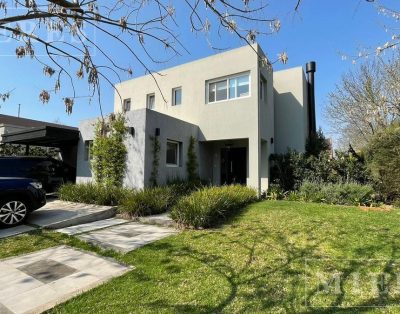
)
(91, 193)
(211, 205)
(339, 194)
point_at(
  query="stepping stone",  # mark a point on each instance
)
(127, 237)
(161, 220)
(101, 224)
(36, 282)
(9, 232)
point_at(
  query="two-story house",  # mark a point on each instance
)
(237, 109)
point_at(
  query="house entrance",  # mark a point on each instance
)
(233, 165)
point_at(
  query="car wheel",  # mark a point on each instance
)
(13, 212)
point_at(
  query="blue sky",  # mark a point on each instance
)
(317, 32)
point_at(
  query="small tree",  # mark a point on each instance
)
(109, 151)
(316, 144)
(192, 164)
(383, 159)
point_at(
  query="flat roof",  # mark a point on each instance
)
(50, 136)
(29, 123)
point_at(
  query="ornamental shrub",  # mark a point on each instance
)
(91, 193)
(210, 206)
(148, 201)
(109, 152)
(383, 160)
(337, 194)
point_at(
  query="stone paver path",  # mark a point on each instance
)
(163, 220)
(101, 224)
(10, 232)
(127, 237)
(36, 282)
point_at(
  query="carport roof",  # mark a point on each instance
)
(50, 136)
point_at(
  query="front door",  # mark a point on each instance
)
(233, 165)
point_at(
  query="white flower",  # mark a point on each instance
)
(283, 57)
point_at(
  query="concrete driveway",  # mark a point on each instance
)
(59, 214)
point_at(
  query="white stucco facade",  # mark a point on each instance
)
(235, 136)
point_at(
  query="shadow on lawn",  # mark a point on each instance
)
(279, 284)
(248, 275)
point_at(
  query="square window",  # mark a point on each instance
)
(127, 105)
(150, 102)
(177, 96)
(88, 148)
(173, 153)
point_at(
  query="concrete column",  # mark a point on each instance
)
(254, 163)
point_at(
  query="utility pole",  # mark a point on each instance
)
(19, 110)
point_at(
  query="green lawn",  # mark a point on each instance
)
(272, 258)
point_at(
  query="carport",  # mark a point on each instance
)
(62, 137)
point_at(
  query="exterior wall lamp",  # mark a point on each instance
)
(131, 131)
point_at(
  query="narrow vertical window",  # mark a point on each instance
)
(150, 102)
(173, 154)
(127, 105)
(177, 96)
(88, 147)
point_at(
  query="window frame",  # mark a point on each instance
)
(124, 104)
(178, 146)
(227, 80)
(174, 90)
(87, 156)
(148, 96)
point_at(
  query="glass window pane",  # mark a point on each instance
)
(232, 88)
(178, 96)
(242, 86)
(172, 153)
(221, 93)
(211, 92)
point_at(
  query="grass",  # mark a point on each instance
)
(256, 263)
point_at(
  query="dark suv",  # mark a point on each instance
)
(19, 197)
(49, 171)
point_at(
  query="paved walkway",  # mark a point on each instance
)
(127, 237)
(36, 282)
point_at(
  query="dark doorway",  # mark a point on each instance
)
(233, 165)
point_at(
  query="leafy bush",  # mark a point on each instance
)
(211, 205)
(91, 193)
(149, 201)
(109, 152)
(383, 159)
(275, 192)
(339, 194)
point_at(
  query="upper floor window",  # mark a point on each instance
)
(229, 88)
(177, 96)
(262, 88)
(150, 101)
(127, 105)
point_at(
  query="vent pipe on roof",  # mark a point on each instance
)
(312, 125)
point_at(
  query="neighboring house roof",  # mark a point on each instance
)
(29, 123)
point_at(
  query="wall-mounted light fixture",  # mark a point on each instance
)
(158, 132)
(272, 140)
(131, 131)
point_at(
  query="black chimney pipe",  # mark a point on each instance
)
(311, 67)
